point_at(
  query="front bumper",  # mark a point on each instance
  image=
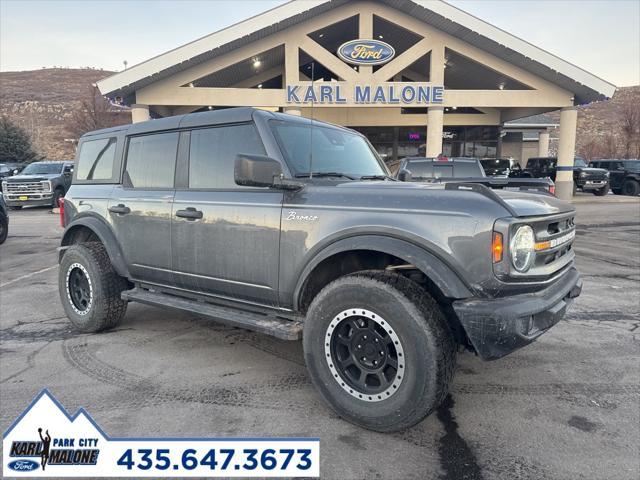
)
(32, 199)
(593, 184)
(499, 326)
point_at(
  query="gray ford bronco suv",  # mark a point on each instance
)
(294, 228)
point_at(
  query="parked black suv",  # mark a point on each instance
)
(39, 184)
(624, 175)
(587, 179)
(294, 228)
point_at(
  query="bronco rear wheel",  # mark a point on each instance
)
(379, 350)
(90, 289)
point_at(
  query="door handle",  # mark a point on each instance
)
(120, 209)
(189, 213)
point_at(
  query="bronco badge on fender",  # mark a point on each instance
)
(366, 52)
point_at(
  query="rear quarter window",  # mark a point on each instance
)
(95, 159)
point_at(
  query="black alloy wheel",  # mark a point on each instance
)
(79, 288)
(366, 354)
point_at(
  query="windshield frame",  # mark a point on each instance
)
(298, 175)
(34, 164)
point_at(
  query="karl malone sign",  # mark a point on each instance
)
(365, 52)
(382, 94)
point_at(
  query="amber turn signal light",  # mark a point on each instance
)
(497, 247)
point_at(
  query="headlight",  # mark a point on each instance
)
(4, 186)
(46, 185)
(522, 248)
(606, 174)
(583, 174)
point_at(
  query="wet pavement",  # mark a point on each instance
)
(566, 407)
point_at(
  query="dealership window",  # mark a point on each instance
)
(95, 160)
(213, 152)
(151, 161)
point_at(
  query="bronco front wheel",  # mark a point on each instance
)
(379, 350)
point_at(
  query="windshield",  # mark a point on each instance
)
(633, 165)
(578, 162)
(498, 163)
(42, 169)
(333, 150)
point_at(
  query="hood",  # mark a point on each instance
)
(591, 170)
(522, 203)
(32, 178)
(534, 204)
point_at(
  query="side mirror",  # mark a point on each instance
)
(404, 175)
(257, 171)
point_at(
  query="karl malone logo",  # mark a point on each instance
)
(65, 441)
(366, 52)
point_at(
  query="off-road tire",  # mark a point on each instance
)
(428, 347)
(4, 228)
(630, 187)
(106, 309)
(601, 192)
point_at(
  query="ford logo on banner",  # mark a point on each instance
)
(366, 52)
(23, 465)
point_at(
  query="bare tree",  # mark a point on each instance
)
(589, 150)
(95, 112)
(631, 129)
(610, 147)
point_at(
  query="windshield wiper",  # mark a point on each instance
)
(323, 174)
(378, 177)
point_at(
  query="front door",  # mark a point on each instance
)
(226, 238)
(140, 208)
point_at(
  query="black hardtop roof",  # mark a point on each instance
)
(201, 119)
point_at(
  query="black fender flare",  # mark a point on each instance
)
(106, 236)
(441, 274)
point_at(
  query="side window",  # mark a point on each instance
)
(95, 160)
(151, 161)
(213, 152)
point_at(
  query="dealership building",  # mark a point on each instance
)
(416, 77)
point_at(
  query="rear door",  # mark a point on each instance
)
(140, 208)
(225, 237)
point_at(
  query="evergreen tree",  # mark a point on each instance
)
(15, 144)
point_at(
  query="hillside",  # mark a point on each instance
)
(601, 125)
(41, 101)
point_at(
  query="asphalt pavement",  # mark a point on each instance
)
(566, 407)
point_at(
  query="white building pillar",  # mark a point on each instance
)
(139, 113)
(543, 144)
(566, 152)
(435, 120)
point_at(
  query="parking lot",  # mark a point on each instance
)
(566, 407)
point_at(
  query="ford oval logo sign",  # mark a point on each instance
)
(366, 52)
(23, 465)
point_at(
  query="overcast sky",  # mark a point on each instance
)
(601, 36)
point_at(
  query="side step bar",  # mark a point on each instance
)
(285, 328)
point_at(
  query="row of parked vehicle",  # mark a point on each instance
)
(599, 176)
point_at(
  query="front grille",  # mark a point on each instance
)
(25, 187)
(550, 261)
